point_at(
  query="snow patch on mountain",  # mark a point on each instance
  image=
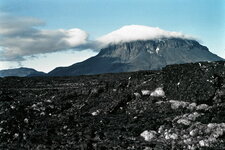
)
(157, 50)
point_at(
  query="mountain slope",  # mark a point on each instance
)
(20, 72)
(140, 55)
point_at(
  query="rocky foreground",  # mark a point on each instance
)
(180, 107)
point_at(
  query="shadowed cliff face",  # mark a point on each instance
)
(140, 55)
(179, 107)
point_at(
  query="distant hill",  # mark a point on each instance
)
(20, 72)
(140, 55)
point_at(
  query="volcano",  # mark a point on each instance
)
(139, 55)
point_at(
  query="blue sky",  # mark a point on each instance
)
(203, 19)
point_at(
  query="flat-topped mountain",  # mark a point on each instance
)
(140, 55)
(134, 48)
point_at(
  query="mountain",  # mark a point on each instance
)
(20, 72)
(140, 55)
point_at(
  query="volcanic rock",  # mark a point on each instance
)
(102, 111)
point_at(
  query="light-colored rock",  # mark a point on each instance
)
(202, 107)
(194, 132)
(12, 107)
(203, 143)
(166, 135)
(191, 147)
(192, 106)
(160, 130)
(217, 132)
(211, 125)
(160, 102)
(42, 113)
(145, 92)
(158, 92)
(184, 121)
(148, 135)
(187, 141)
(193, 116)
(137, 95)
(95, 113)
(48, 101)
(25, 120)
(177, 104)
(16, 135)
(174, 136)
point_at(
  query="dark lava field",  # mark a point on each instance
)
(179, 107)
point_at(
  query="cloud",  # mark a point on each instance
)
(20, 37)
(138, 32)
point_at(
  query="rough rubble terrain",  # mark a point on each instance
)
(179, 107)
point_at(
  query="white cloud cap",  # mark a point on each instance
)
(138, 32)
